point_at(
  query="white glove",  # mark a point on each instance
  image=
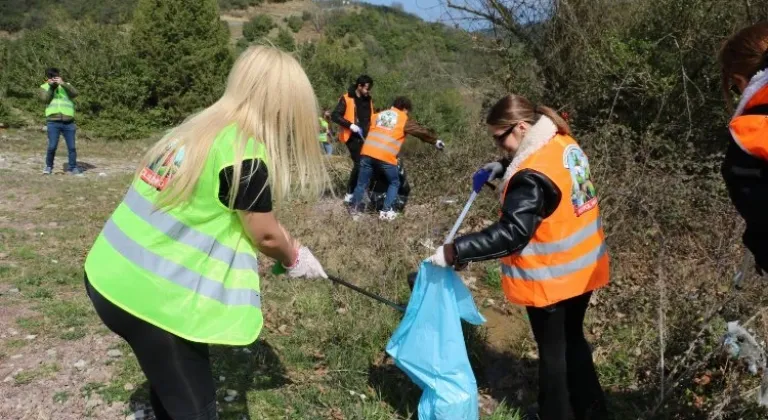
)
(495, 168)
(306, 266)
(355, 129)
(438, 258)
(440, 145)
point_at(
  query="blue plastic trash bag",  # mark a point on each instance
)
(429, 347)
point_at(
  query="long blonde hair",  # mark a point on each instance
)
(513, 109)
(269, 98)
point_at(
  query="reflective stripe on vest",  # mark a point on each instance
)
(60, 104)
(383, 142)
(180, 232)
(554, 271)
(565, 244)
(176, 273)
(567, 255)
(386, 137)
(189, 269)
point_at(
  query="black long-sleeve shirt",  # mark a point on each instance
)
(362, 111)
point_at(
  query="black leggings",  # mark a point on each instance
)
(567, 377)
(178, 370)
(355, 146)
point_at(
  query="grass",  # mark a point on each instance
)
(28, 376)
(321, 353)
(311, 361)
(61, 397)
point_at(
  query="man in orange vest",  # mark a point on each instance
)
(353, 113)
(380, 150)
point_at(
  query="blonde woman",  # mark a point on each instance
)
(174, 268)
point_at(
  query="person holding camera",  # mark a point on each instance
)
(60, 118)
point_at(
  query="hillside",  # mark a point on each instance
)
(638, 80)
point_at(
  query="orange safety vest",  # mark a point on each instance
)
(566, 257)
(749, 131)
(350, 115)
(386, 137)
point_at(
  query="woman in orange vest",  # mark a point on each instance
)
(550, 242)
(744, 65)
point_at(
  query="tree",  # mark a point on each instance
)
(184, 53)
(258, 27)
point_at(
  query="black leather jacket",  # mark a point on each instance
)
(531, 197)
(746, 178)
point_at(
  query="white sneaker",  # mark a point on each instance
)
(347, 198)
(387, 215)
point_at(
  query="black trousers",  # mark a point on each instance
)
(567, 377)
(354, 145)
(178, 370)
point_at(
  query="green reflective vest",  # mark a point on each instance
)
(191, 269)
(60, 104)
(323, 136)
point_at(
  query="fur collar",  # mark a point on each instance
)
(537, 137)
(757, 82)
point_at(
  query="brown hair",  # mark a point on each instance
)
(743, 54)
(514, 109)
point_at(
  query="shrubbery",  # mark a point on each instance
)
(129, 83)
(134, 82)
(295, 23)
(258, 27)
(32, 14)
(238, 4)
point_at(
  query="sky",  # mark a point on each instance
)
(430, 10)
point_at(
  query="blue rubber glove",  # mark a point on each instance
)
(479, 179)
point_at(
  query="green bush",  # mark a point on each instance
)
(306, 16)
(94, 59)
(12, 13)
(295, 23)
(258, 27)
(184, 54)
(35, 14)
(8, 117)
(285, 41)
(238, 4)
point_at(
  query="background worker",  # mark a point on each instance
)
(551, 245)
(60, 118)
(380, 151)
(353, 113)
(174, 269)
(326, 135)
(744, 61)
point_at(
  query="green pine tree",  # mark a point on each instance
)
(184, 52)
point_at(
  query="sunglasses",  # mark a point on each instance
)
(499, 138)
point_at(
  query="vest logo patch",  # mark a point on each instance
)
(387, 119)
(583, 194)
(160, 172)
